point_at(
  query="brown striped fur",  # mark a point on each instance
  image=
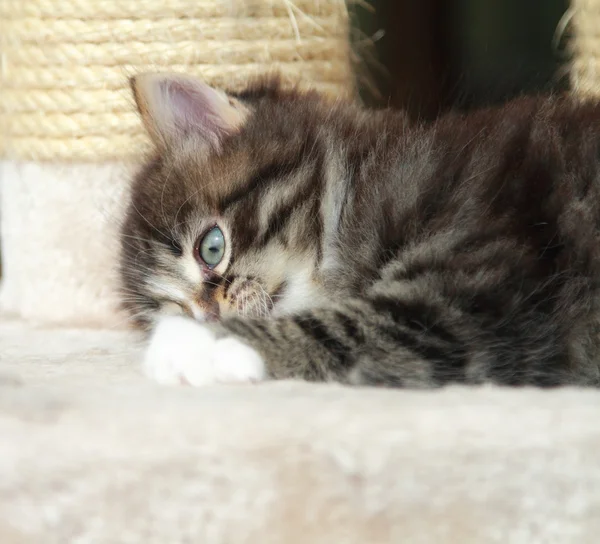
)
(369, 250)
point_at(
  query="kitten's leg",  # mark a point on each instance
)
(401, 334)
(385, 339)
(376, 341)
(416, 333)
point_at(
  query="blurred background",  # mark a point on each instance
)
(438, 54)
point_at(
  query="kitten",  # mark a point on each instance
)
(276, 234)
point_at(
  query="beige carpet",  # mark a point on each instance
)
(92, 453)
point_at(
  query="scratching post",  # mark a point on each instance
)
(584, 16)
(69, 135)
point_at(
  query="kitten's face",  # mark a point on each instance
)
(226, 220)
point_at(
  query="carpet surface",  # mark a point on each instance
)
(90, 452)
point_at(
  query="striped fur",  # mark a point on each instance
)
(367, 250)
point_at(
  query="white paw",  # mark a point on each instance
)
(182, 351)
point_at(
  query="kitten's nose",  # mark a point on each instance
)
(205, 311)
(213, 312)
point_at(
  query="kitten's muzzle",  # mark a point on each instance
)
(213, 313)
(203, 312)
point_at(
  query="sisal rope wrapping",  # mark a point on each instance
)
(585, 44)
(65, 63)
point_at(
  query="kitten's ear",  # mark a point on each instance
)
(175, 106)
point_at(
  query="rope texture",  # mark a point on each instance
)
(585, 46)
(64, 92)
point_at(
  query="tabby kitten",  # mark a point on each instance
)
(275, 234)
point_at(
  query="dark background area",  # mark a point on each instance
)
(440, 54)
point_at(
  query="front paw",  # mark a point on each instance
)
(182, 351)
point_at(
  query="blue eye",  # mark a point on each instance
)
(212, 247)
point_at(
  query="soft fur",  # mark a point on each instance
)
(362, 248)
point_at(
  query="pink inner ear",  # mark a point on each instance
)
(196, 108)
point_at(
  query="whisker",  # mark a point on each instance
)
(221, 276)
(129, 319)
(162, 195)
(147, 221)
(185, 202)
(137, 238)
(211, 283)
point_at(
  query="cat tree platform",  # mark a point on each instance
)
(92, 453)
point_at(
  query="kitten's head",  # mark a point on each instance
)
(226, 218)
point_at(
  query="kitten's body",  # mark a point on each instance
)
(363, 249)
